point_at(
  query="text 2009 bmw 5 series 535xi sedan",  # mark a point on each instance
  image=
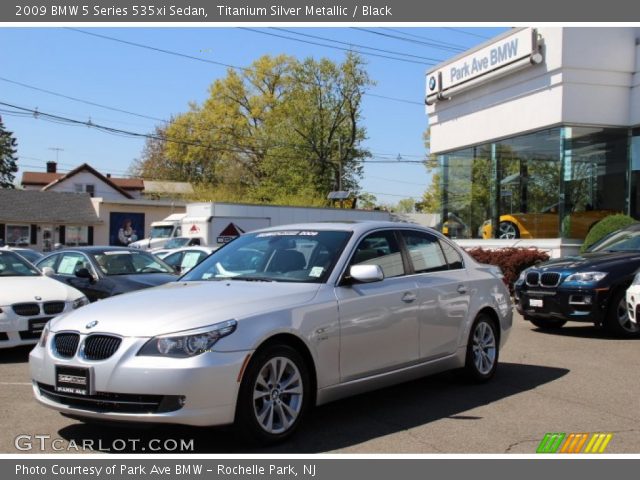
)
(275, 322)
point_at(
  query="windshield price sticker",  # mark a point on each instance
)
(289, 233)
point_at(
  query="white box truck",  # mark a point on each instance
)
(161, 232)
(218, 223)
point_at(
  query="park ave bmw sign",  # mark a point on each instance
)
(502, 56)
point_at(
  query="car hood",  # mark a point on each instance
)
(598, 261)
(26, 289)
(184, 305)
(127, 283)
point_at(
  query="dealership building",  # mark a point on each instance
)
(537, 132)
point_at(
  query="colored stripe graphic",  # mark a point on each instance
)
(598, 443)
(550, 442)
(574, 443)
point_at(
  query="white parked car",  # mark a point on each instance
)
(633, 300)
(275, 322)
(184, 259)
(29, 299)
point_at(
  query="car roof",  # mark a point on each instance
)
(357, 226)
(98, 249)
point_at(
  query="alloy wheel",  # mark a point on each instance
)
(623, 317)
(484, 348)
(277, 395)
(507, 230)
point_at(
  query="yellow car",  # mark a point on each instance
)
(543, 224)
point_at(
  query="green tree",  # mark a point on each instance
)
(432, 197)
(8, 159)
(406, 205)
(277, 130)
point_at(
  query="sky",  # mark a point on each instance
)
(152, 86)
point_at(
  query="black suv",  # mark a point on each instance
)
(587, 288)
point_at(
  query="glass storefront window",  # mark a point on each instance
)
(465, 193)
(529, 182)
(634, 193)
(595, 175)
(551, 183)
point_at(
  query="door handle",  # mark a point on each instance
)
(462, 289)
(409, 297)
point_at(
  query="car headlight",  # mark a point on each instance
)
(189, 343)
(586, 277)
(44, 336)
(80, 302)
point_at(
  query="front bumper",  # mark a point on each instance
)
(16, 330)
(570, 304)
(200, 390)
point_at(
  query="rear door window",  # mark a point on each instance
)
(425, 252)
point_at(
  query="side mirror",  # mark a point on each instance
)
(48, 272)
(366, 273)
(84, 273)
(177, 269)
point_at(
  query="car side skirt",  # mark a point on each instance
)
(386, 379)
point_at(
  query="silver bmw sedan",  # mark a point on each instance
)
(275, 322)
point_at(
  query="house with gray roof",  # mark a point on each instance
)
(41, 219)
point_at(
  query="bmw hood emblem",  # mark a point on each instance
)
(91, 324)
(38, 298)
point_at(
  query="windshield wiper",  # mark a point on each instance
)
(249, 278)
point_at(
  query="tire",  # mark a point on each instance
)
(482, 350)
(617, 322)
(274, 395)
(547, 324)
(508, 230)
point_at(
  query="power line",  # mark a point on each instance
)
(227, 65)
(351, 44)
(26, 112)
(309, 42)
(156, 49)
(412, 102)
(80, 100)
(397, 181)
(433, 44)
(395, 194)
(215, 146)
(466, 32)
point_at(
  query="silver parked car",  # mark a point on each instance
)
(275, 322)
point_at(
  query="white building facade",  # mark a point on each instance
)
(537, 132)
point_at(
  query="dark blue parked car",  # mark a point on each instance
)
(587, 288)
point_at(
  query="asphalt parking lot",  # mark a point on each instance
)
(574, 380)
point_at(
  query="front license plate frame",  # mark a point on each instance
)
(73, 380)
(536, 303)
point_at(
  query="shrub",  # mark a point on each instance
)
(512, 261)
(604, 227)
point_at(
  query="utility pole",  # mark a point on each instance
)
(340, 170)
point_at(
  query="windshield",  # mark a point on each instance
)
(30, 255)
(177, 242)
(620, 241)
(124, 262)
(283, 256)
(13, 265)
(161, 231)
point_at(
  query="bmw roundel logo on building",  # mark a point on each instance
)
(91, 324)
(432, 83)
